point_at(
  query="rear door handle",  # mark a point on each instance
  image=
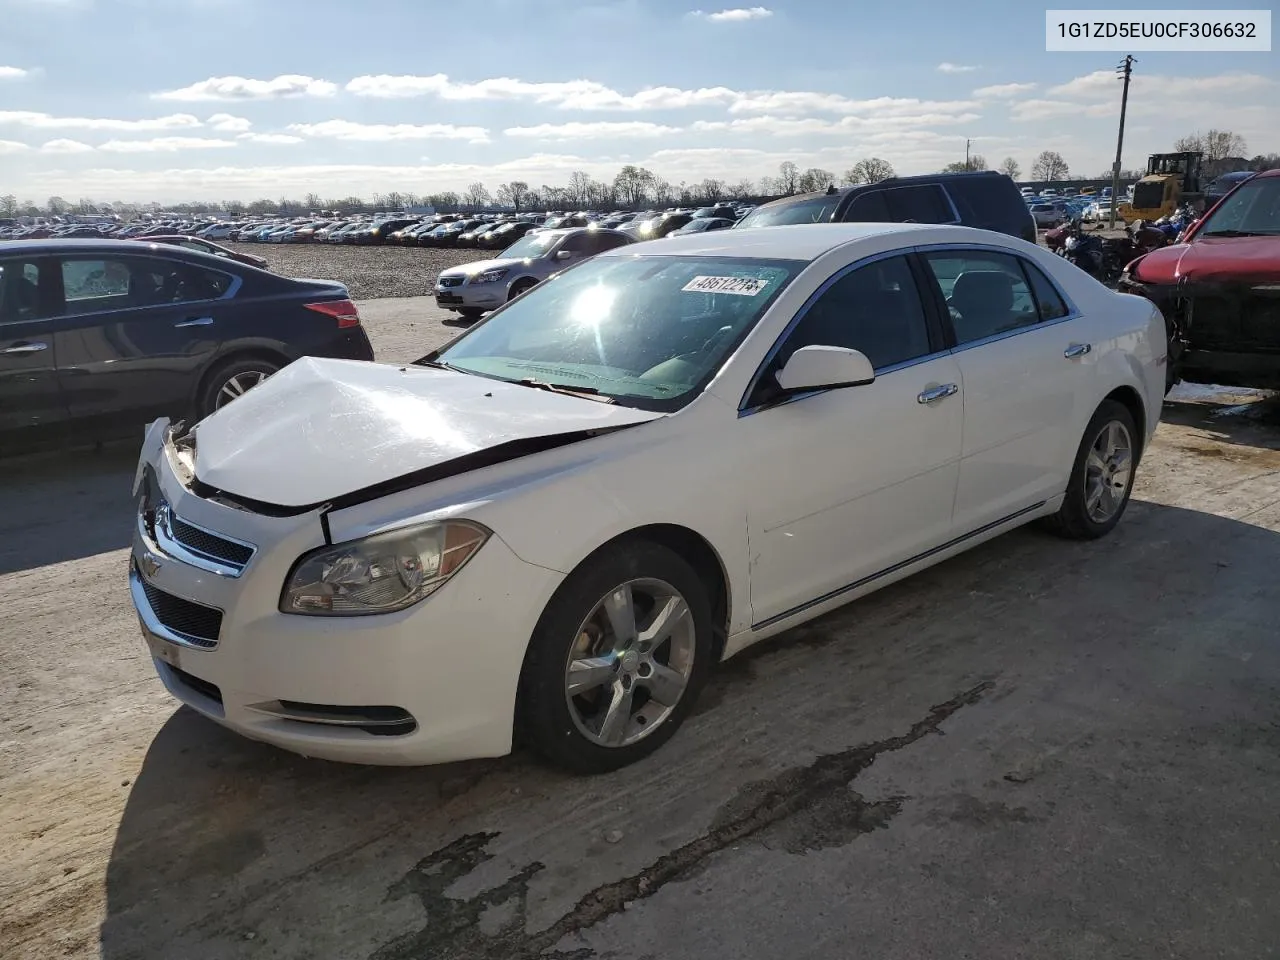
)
(934, 394)
(197, 322)
(26, 348)
(1077, 350)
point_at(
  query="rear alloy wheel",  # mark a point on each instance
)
(618, 659)
(233, 381)
(1102, 477)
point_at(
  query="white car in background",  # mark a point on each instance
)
(559, 524)
(1097, 211)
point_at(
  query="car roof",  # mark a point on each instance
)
(918, 180)
(802, 241)
(53, 245)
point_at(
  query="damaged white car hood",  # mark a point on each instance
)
(320, 429)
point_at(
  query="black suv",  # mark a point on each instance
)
(987, 200)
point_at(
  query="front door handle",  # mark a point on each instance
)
(934, 394)
(197, 322)
(26, 347)
(1077, 350)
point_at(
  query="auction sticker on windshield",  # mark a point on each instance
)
(742, 286)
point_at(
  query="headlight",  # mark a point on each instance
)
(382, 573)
(492, 276)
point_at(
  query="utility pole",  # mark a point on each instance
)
(1125, 70)
(966, 152)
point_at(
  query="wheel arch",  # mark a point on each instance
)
(236, 355)
(1131, 400)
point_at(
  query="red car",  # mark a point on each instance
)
(208, 246)
(1219, 290)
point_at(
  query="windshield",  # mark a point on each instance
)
(529, 246)
(814, 210)
(648, 332)
(1254, 209)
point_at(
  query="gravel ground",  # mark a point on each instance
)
(369, 272)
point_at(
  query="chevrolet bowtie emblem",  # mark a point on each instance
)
(149, 564)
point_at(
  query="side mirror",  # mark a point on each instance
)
(825, 368)
(564, 255)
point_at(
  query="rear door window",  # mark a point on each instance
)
(92, 284)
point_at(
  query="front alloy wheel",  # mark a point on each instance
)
(617, 659)
(630, 663)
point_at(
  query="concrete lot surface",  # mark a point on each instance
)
(1037, 750)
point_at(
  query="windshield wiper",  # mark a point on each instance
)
(566, 388)
(1236, 233)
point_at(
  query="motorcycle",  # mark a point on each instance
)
(1104, 260)
(1084, 250)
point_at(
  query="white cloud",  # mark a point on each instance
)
(65, 146)
(590, 95)
(1024, 110)
(846, 126)
(736, 15)
(946, 67)
(12, 146)
(591, 131)
(1105, 84)
(226, 123)
(12, 73)
(243, 88)
(1003, 90)
(164, 145)
(351, 130)
(29, 118)
(272, 138)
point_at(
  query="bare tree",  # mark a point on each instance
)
(477, 196)
(664, 192)
(1009, 167)
(312, 202)
(1215, 145)
(1049, 165)
(788, 177)
(633, 184)
(8, 205)
(1265, 161)
(513, 194)
(976, 162)
(395, 200)
(710, 190)
(57, 206)
(581, 187)
(814, 179)
(741, 190)
(870, 170)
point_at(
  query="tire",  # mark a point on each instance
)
(1077, 518)
(245, 371)
(520, 286)
(570, 730)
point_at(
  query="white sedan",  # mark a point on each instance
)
(556, 526)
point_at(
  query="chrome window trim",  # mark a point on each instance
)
(745, 411)
(151, 623)
(1073, 313)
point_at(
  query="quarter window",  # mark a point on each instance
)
(987, 294)
(875, 308)
(1048, 300)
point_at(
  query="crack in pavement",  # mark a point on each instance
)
(792, 810)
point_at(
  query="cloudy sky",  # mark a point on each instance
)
(218, 99)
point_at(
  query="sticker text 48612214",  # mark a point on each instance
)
(741, 286)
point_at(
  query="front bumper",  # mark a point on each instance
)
(471, 296)
(321, 686)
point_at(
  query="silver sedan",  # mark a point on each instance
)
(474, 288)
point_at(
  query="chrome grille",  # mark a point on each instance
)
(451, 281)
(198, 546)
(210, 544)
(194, 622)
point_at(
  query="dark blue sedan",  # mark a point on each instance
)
(99, 337)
